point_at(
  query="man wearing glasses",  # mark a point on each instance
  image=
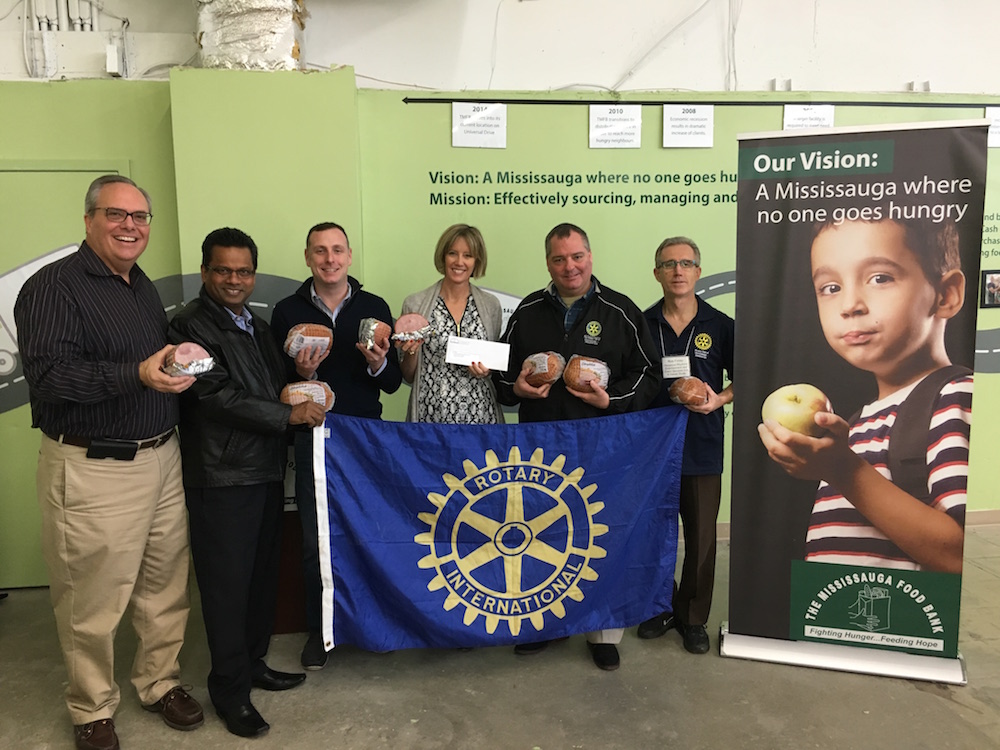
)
(92, 334)
(694, 339)
(234, 447)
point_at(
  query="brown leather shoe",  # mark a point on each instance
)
(97, 735)
(180, 710)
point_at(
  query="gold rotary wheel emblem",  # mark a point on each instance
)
(594, 328)
(703, 341)
(513, 540)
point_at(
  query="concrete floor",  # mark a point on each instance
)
(488, 698)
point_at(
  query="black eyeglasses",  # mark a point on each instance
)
(223, 273)
(672, 264)
(118, 215)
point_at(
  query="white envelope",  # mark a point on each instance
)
(463, 351)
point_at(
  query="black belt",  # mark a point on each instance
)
(84, 442)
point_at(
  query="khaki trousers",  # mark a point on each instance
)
(611, 635)
(115, 532)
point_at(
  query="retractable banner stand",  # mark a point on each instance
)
(857, 271)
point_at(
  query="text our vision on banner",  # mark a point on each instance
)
(446, 535)
(857, 271)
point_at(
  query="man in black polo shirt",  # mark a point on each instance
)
(694, 339)
(92, 334)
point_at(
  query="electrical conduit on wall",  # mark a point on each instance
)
(63, 15)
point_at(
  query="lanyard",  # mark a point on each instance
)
(687, 347)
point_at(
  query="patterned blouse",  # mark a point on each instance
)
(450, 394)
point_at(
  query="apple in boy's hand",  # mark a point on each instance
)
(795, 406)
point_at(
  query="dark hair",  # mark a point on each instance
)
(935, 244)
(227, 237)
(473, 238)
(679, 240)
(562, 231)
(94, 191)
(324, 226)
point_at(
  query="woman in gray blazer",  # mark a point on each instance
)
(442, 392)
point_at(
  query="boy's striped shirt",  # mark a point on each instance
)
(838, 533)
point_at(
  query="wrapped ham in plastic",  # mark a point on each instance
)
(308, 336)
(688, 391)
(580, 371)
(308, 390)
(546, 367)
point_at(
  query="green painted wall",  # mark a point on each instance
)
(270, 153)
(56, 137)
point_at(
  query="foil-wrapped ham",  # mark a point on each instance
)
(188, 358)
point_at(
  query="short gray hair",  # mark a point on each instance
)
(671, 241)
(90, 201)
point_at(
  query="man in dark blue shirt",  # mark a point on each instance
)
(356, 374)
(694, 339)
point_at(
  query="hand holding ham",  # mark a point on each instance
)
(596, 396)
(308, 413)
(308, 360)
(524, 389)
(411, 330)
(152, 376)
(712, 402)
(375, 355)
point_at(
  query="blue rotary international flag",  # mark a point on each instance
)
(444, 535)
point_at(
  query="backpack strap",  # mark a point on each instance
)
(908, 440)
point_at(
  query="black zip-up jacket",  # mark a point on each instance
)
(232, 425)
(610, 328)
(345, 369)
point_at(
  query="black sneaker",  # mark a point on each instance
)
(654, 627)
(314, 654)
(695, 638)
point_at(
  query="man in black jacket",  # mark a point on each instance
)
(575, 314)
(357, 375)
(233, 449)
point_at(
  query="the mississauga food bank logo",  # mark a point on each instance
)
(513, 540)
(905, 610)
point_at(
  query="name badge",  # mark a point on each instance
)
(676, 367)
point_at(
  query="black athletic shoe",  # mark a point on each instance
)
(654, 627)
(695, 638)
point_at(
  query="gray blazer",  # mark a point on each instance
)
(489, 311)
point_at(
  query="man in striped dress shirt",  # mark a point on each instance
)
(93, 336)
(885, 292)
